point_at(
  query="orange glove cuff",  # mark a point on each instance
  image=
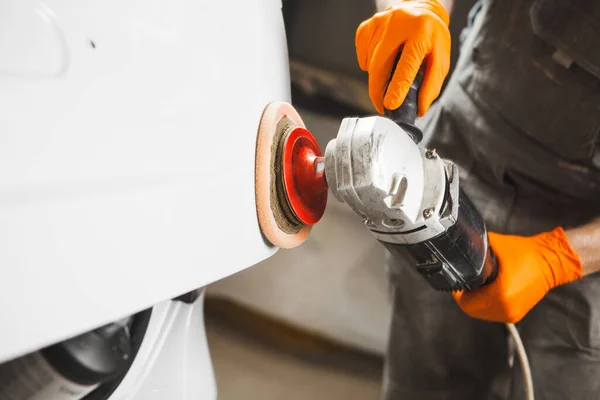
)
(434, 6)
(565, 263)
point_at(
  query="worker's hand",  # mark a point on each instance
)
(420, 29)
(528, 267)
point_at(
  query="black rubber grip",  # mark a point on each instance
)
(406, 114)
(458, 259)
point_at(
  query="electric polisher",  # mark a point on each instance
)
(408, 196)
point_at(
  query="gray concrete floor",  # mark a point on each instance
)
(247, 368)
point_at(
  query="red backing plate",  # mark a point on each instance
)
(305, 186)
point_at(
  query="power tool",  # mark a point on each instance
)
(408, 196)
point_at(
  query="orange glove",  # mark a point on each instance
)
(420, 29)
(528, 267)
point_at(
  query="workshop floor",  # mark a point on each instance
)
(249, 368)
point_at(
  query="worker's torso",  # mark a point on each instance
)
(526, 92)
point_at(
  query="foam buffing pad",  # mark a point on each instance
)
(291, 192)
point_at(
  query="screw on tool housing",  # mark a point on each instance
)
(428, 213)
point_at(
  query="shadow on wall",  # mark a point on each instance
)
(320, 37)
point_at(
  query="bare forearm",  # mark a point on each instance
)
(585, 240)
(383, 4)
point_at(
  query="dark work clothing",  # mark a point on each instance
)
(520, 116)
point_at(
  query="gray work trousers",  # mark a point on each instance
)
(436, 352)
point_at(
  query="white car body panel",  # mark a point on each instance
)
(127, 138)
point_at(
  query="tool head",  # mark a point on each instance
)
(291, 193)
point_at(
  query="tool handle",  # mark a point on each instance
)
(460, 258)
(406, 114)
